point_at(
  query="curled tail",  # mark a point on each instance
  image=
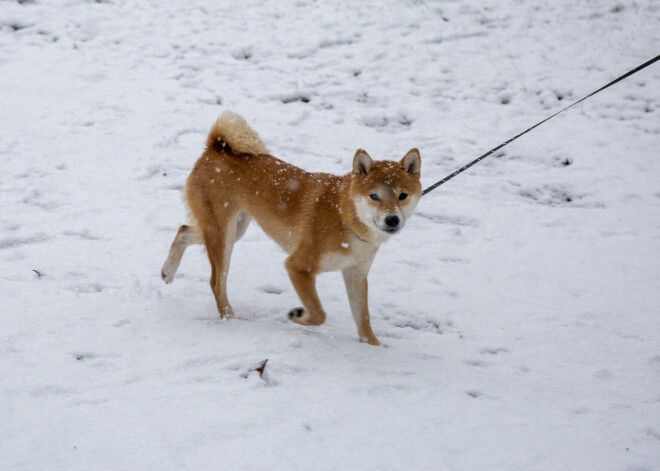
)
(231, 135)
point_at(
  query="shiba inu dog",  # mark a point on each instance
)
(324, 222)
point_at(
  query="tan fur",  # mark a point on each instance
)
(232, 129)
(324, 222)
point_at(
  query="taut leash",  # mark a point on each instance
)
(479, 159)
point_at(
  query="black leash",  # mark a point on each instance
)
(479, 159)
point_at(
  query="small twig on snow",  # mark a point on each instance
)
(260, 368)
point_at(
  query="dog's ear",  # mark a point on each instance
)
(362, 162)
(412, 162)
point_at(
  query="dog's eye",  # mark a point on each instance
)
(403, 196)
(374, 197)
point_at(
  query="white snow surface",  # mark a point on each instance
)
(521, 304)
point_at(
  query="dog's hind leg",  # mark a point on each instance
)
(219, 240)
(186, 235)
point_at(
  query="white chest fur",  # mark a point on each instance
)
(356, 252)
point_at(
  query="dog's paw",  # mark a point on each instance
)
(303, 317)
(226, 312)
(372, 340)
(167, 278)
(296, 313)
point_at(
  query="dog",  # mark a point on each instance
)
(324, 222)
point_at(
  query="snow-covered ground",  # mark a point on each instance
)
(521, 304)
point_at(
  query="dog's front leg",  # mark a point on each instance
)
(355, 279)
(304, 282)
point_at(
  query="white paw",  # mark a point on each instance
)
(166, 275)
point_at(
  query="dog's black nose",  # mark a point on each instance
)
(392, 221)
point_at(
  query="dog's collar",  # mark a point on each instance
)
(356, 235)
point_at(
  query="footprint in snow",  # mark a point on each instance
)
(80, 356)
(271, 289)
(551, 195)
(478, 363)
(473, 393)
(493, 351)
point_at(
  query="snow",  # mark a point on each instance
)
(520, 303)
